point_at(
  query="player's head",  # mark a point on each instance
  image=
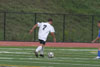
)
(50, 21)
(99, 24)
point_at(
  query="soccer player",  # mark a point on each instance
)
(44, 29)
(98, 37)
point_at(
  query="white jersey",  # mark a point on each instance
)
(44, 29)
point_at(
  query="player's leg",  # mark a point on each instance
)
(37, 50)
(40, 48)
(98, 57)
(99, 53)
(42, 51)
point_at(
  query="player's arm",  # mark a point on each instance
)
(98, 37)
(53, 35)
(34, 27)
(95, 39)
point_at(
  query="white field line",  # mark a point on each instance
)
(31, 59)
(5, 58)
(68, 58)
(28, 59)
(8, 52)
(53, 63)
(20, 54)
(17, 55)
(53, 59)
(58, 58)
(12, 52)
(50, 49)
(61, 58)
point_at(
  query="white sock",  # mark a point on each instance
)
(42, 51)
(39, 48)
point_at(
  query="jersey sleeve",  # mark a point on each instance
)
(52, 29)
(99, 34)
(39, 24)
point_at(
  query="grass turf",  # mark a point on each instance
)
(66, 57)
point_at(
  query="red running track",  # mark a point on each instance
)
(50, 44)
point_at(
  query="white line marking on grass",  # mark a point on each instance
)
(6, 58)
(94, 52)
(31, 53)
(28, 53)
(73, 58)
(14, 52)
(17, 48)
(53, 59)
(6, 65)
(53, 63)
(72, 49)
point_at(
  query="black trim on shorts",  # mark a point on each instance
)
(42, 41)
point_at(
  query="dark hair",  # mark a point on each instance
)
(50, 20)
(98, 21)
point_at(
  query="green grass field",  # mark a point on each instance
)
(64, 57)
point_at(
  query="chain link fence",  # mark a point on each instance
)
(15, 26)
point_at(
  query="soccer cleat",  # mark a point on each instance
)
(36, 54)
(97, 57)
(41, 55)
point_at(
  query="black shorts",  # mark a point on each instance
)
(42, 42)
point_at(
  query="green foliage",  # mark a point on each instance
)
(18, 25)
(53, 6)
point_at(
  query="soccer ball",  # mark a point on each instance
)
(50, 54)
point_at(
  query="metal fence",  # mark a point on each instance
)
(15, 26)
